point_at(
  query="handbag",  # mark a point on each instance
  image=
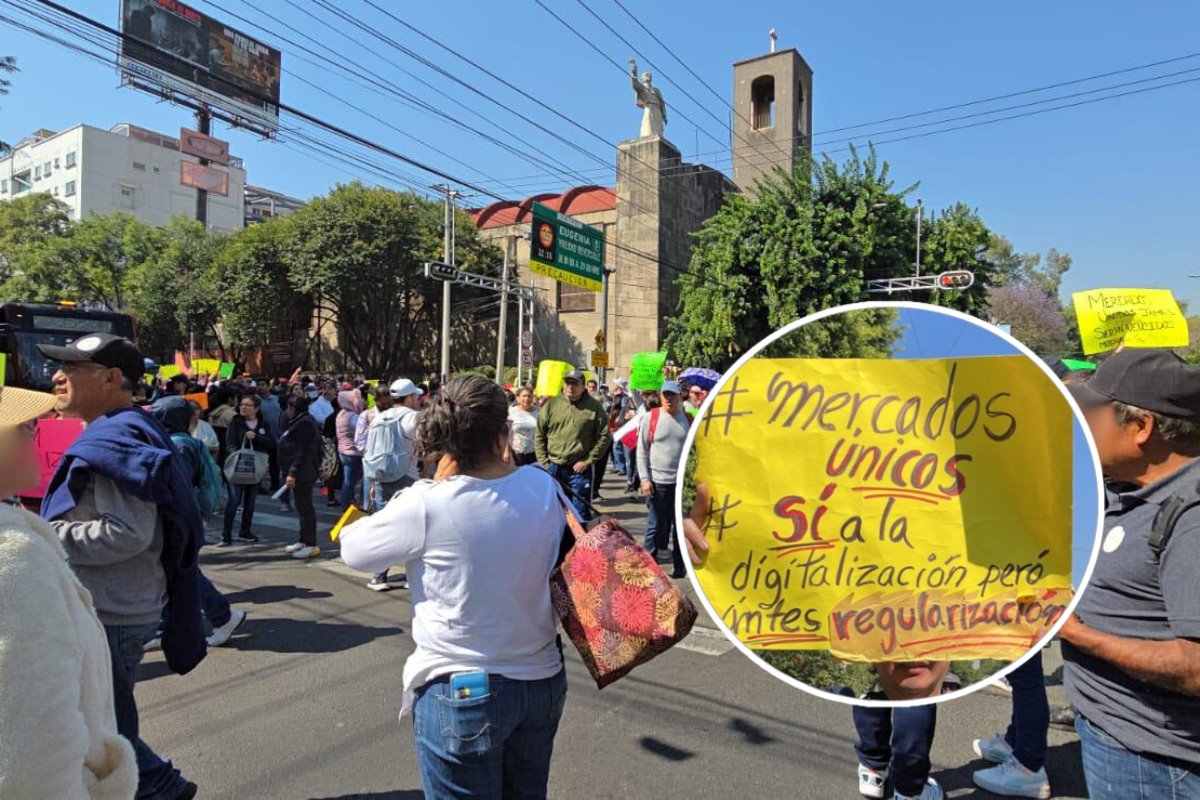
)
(330, 463)
(246, 466)
(615, 602)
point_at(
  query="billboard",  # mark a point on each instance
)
(178, 47)
(566, 250)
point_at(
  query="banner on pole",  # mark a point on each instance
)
(888, 510)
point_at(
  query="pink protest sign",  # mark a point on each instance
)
(53, 438)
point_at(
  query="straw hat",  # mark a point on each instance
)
(21, 405)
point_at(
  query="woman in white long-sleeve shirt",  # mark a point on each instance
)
(58, 730)
(479, 542)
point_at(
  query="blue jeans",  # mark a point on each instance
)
(244, 495)
(125, 644)
(351, 474)
(494, 746)
(213, 603)
(660, 524)
(1114, 773)
(619, 454)
(580, 484)
(898, 740)
(1030, 713)
(383, 493)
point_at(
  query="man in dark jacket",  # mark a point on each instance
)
(125, 513)
(300, 460)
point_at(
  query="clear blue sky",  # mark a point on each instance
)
(1110, 183)
(928, 334)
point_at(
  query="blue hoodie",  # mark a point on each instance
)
(134, 451)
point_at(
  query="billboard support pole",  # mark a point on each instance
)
(203, 125)
(508, 242)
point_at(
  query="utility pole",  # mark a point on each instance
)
(203, 125)
(520, 334)
(508, 242)
(920, 214)
(602, 372)
(448, 257)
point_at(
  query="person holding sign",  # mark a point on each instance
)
(572, 436)
(1132, 648)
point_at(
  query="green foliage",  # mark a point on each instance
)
(957, 239)
(360, 252)
(252, 282)
(863, 333)
(808, 241)
(29, 226)
(8, 65)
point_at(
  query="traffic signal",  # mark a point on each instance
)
(957, 279)
(441, 272)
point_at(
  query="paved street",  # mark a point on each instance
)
(303, 701)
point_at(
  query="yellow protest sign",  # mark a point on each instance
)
(550, 377)
(168, 371)
(371, 392)
(888, 510)
(349, 517)
(205, 366)
(3, 367)
(1135, 317)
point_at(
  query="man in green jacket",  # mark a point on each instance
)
(572, 436)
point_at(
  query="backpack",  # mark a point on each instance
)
(209, 489)
(386, 458)
(1166, 518)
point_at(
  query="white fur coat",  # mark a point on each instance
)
(58, 733)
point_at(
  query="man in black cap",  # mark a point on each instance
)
(124, 510)
(572, 437)
(1132, 648)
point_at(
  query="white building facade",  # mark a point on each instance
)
(130, 169)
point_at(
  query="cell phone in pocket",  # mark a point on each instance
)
(469, 685)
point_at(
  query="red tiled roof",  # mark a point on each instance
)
(580, 200)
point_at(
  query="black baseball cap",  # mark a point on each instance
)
(1153, 380)
(104, 349)
(573, 375)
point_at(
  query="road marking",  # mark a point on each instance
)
(706, 641)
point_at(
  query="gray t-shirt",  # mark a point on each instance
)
(114, 545)
(1133, 595)
(659, 460)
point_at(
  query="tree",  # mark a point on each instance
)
(360, 253)
(257, 300)
(8, 65)
(807, 242)
(1037, 320)
(28, 227)
(957, 239)
(1011, 267)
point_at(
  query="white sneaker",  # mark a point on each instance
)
(1013, 779)
(304, 551)
(293, 547)
(932, 791)
(221, 635)
(994, 749)
(871, 781)
(377, 584)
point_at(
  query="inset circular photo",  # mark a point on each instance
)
(900, 503)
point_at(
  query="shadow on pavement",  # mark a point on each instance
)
(663, 750)
(261, 595)
(1064, 767)
(399, 794)
(277, 635)
(751, 732)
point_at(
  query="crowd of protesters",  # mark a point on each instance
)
(113, 566)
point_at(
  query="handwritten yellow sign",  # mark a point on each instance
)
(168, 371)
(550, 377)
(888, 510)
(205, 366)
(1135, 317)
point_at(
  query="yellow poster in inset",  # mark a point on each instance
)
(1109, 318)
(888, 510)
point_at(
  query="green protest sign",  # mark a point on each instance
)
(646, 372)
(225, 371)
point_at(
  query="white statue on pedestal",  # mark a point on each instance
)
(649, 98)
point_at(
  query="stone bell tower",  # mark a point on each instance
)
(772, 120)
